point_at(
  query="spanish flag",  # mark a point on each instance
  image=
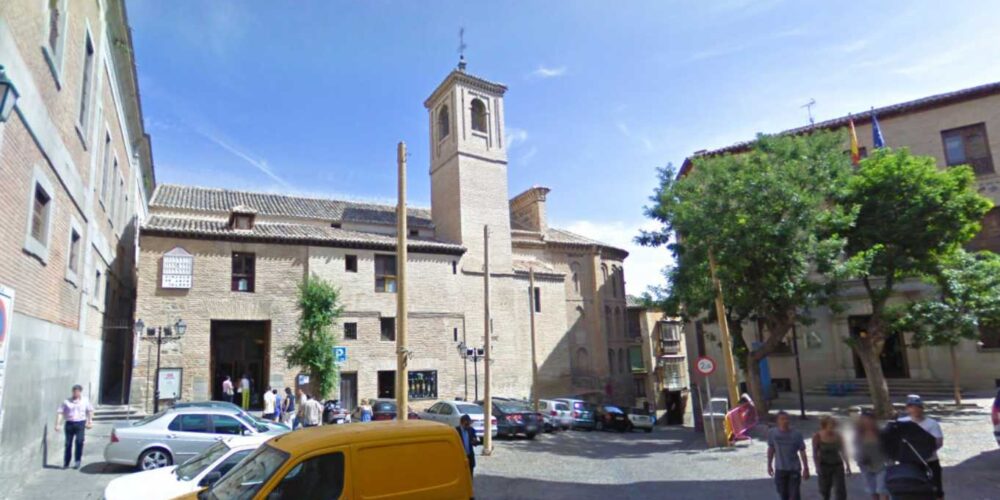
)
(855, 153)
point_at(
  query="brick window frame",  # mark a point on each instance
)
(385, 273)
(351, 263)
(86, 104)
(351, 330)
(39, 219)
(387, 329)
(981, 164)
(53, 39)
(74, 252)
(244, 267)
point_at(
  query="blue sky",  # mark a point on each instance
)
(310, 97)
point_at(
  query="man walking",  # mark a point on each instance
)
(786, 458)
(268, 404)
(288, 413)
(312, 412)
(469, 440)
(227, 389)
(245, 391)
(915, 414)
(78, 415)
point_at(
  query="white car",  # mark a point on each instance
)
(557, 414)
(449, 412)
(640, 419)
(199, 472)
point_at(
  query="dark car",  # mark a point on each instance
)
(385, 409)
(611, 417)
(516, 417)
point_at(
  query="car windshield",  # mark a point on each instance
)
(188, 470)
(562, 407)
(384, 406)
(244, 480)
(469, 410)
(511, 406)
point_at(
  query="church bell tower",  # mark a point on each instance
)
(468, 167)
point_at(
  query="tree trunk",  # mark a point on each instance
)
(955, 375)
(877, 385)
(756, 387)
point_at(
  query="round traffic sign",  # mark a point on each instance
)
(705, 365)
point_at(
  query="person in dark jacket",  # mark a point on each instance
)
(469, 440)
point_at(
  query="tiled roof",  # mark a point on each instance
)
(866, 116)
(223, 200)
(565, 237)
(159, 225)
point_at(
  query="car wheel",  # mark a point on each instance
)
(155, 458)
(530, 435)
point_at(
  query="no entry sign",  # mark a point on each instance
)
(705, 365)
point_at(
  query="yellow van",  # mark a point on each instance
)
(388, 460)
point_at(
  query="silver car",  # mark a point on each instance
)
(556, 414)
(175, 435)
(450, 412)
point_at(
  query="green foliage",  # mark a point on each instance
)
(910, 215)
(767, 217)
(312, 351)
(969, 297)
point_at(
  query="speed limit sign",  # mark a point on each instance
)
(705, 365)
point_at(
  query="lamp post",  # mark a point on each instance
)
(8, 96)
(160, 334)
(475, 354)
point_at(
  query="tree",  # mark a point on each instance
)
(767, 218)
(968, 297)
(910, 216)
(312, 351)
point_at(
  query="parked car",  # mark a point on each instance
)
(450, 412)
(230, 406)
(640, 419)
(516, 417)
(175, 435)
(199, 472)
(412, 459)
(556, 414)
(610, 417)
(383, 409)
(583, 413)
(333, 413)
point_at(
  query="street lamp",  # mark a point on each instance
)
(160, 334)
(8, 96)
(475, 354)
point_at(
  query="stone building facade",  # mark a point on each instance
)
(960, 127)
(658, 364)
(250, 251)
(77, 168)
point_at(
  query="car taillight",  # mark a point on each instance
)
(553, 413)
(493, 420)
(114, 437)
(576, 414)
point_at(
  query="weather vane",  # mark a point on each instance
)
(809, 109)
(461, 48)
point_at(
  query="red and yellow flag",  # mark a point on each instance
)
(855, 152)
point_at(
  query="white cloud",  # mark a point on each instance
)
(644, 265)
(543, 71)
(258, 163)
(515, 136)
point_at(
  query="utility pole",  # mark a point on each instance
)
(727, 343)
(487, 402)
(534, 355)
(402, 379)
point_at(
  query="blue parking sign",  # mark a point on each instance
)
(340, 354)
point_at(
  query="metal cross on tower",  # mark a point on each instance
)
(809, 109)
(461, 48)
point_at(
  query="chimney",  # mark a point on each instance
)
(527, 210)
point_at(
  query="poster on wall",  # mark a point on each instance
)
(170, 383)
(6, 319)
(178, 268)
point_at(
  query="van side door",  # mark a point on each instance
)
(320, 475)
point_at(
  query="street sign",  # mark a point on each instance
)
(340, 354)
(705, 365)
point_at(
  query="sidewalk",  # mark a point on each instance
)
(89, 482)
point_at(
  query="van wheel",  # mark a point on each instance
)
(155, 458)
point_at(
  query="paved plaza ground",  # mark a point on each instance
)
(668, 463)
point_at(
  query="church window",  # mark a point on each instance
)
(575, 270)
(444, 127)
(478, 115)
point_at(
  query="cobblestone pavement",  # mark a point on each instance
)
(668, 463)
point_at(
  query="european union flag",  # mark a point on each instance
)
(877, 140)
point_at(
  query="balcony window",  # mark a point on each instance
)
(968, 146)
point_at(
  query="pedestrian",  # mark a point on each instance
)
(830, 459)
(277, 405)
(300, 417)
(227, 389)
(915, 414)
(288, 408)
(365, 410)
(268, 404)
(996, 417)
(312, 412)
(870, 457)
(469, 441)
(245, 391)
(786, 458)
(79, 416)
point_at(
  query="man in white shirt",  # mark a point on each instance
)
(245, 391)
(269, 404)
(79, 416)
(312, 412)
(915, 412)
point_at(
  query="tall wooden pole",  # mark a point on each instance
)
(534, 355)
(402, 378)
(487, 402)
(727, 343)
